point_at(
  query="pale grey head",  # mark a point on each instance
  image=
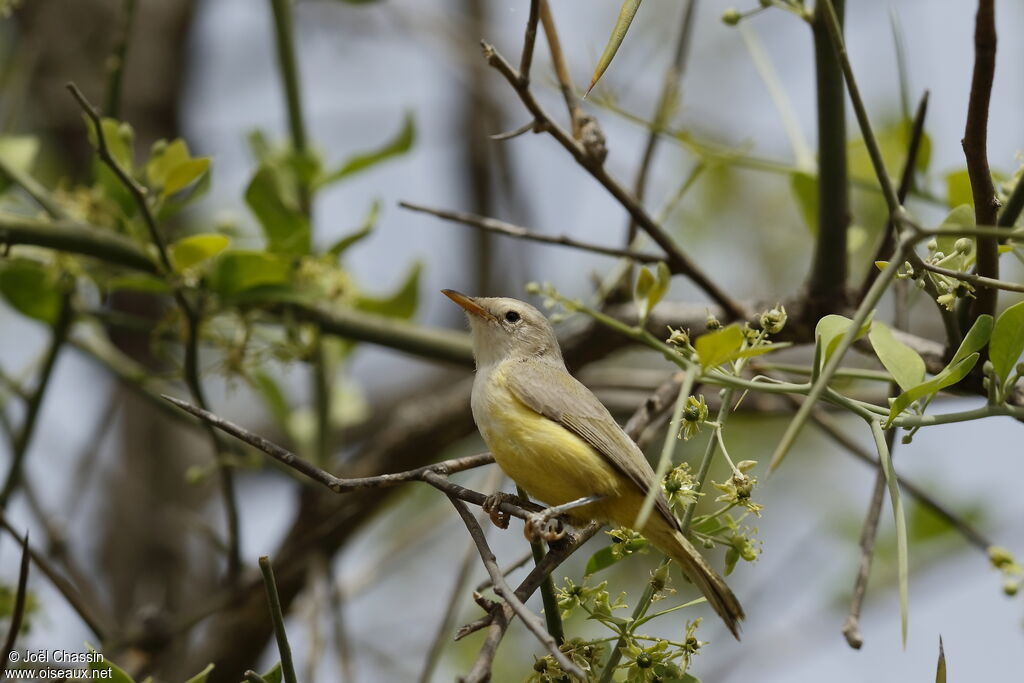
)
(507, 329)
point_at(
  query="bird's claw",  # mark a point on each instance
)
(492, 506)
(544, 525)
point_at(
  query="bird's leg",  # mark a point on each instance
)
(492, 506)
(546, 524)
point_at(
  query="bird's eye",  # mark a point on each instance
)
(512, 316)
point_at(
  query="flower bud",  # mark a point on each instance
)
(963, 245)
(1010, 587)
(731, 16)
(712, 323)
(999, 556)
(774, 320)
(533, 288)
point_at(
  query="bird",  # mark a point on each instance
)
(559, 443)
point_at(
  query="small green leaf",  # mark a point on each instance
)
(195, 249)
(953, 373)
(184, 174)
(401, 304)
(830, 330)
(641, 290)
(399, 145)
(271, 196)
(881, 264)
(30, 289)
(940, 668)
(273, 675)
(719, 346)
(960, 216)
(202, 675)
(805, 190)
(19, 153)
(364, 231)
(119, 138)
(241, 271)
(759, 350)
(1007, 341)
(958, 188)
(626, 14)
(975, 339)
(602, 559)
(107, 670)
(164, 157)
(904, 363)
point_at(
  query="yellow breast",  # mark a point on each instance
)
(551, 463)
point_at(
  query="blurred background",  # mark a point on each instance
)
(131, 491)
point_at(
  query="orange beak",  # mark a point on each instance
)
(468, 304)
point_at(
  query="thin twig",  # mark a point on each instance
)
(70, 594)
(664, 108)
(975, 144)
(274, 603)
(502, 588)
(24, 436)
(18, 613)
(528, 42)
(976, 280)
(116, 60)
(572, 102)
(502, 228)
(676, 258)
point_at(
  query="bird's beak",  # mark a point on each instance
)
(468, 304)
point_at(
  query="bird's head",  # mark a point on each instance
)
(507, 329)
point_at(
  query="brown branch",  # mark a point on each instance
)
(18, 612)
(975, 144)
(676, 258)
(528, 42)
(510, 230)
(974, 279)
(502, 588)
(577, 117)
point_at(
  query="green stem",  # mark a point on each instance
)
(38, 193)
(286, 62)
(75, 238)
(552, 616)
(277, 616)
(24, 437)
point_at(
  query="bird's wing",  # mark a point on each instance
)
(557, 395)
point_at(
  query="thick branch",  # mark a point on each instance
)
(975, 144)
(75, 238)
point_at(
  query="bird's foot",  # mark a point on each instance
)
(545, 525)
(492, 506)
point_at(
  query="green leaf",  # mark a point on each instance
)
(107, 670)
(271, 196)
(805, 190)
(273, 675)
(950, 375)
(893, 141)
(120, 140)
(202, 675)
(30, 289)
(18, 152)
(364, 231)
(958, 188)
(900, 519)
(830, 330)
(164, 157)
(960, 216)
(940, 668)
(184, 174)
(602, 559)
(759, 350)
(401, 304)
(397, 146)
(195, 249)
(241, 271)
(975, 339)
(626, 14)
(1007, 341)
(719, 346)
(904, 363)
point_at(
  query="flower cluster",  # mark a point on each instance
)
(680, 486)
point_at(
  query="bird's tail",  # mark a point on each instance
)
(671, 542)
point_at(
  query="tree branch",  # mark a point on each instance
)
(75, 238)
(975, 144)
(508, 229)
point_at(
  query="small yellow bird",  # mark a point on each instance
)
(556, 440)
